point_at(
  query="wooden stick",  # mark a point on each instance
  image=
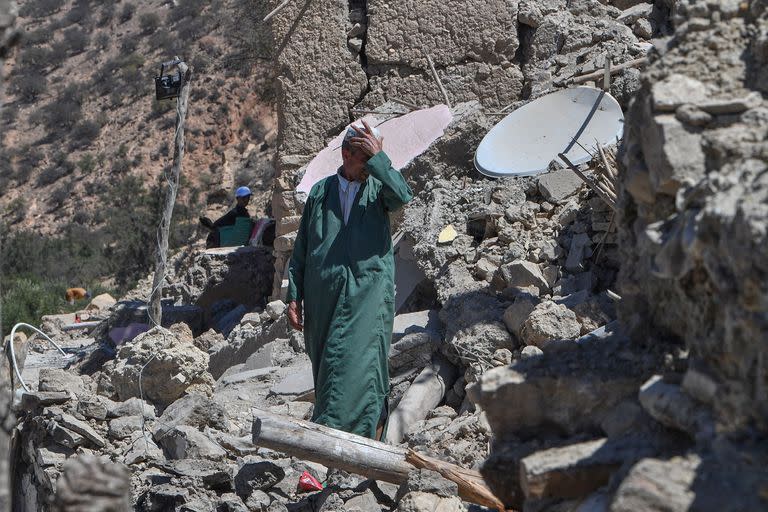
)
(605, 237)
(360, 455)
(437, 79)
(276, 10)
(615, 69)
(404, 103)
(586, 180)
(607, 74)
(362, 111)
(155, 310)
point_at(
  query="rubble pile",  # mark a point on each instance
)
(524, 356)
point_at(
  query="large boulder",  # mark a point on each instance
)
(164, 362)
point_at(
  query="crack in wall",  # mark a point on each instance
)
(358, 13)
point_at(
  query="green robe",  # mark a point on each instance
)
(344, 274)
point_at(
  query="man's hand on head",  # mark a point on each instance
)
(367, 141)
(294, 316)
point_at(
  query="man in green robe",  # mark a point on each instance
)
(341, 277)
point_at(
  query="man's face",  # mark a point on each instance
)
(243, 201)
(354, 163)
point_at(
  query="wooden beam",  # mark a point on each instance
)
(437, 79)
(349, 452)
(614, 69)
(155, 309)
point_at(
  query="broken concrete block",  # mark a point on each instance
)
(484, 269)
(191, 410)
(566, 392)
(101, 302)
(35, 400)
(699, 385)
(634, 13)
(668, 404)
(658, 485)
(259, 374)
(425, 502)
(516, 314)
(257, 474)
(92, 407)
(676, 90)
(578, 252)
(412, 351)
(558, 185)
(155, 356)
(245, 340)
(576, 470)
(297, 382)
(142, 449)
(275, 309)
(185, 442)
(519, 274)
(425, 480)
(124, 427)
(419, 321)
(365, 502)
(84, 429)
(56, 379)
(132, 407)
(530, 351)
(548, 322)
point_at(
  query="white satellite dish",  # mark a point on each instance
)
(527, 140)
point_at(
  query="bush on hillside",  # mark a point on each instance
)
(40, 8)
(127, 12)
(185, 9)
(27, 299)
(149, 22)
(83, 134)
(87, 163)
(28, 86)
(37, 37)
(75, 40)
(63, 113)
(78, 15)
(101, 41)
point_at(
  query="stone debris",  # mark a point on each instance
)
(508, 357)
(165, 362)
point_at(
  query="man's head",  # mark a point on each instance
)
(243, 195)
(354, 158)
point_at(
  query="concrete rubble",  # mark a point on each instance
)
(579, 358)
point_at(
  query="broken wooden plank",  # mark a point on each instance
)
(360, 455)
(614, 69)
(437, 79)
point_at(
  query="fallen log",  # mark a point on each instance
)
(425, 393)
(360, 455)
(642, 61)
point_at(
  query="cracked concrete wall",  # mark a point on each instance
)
(694, 216)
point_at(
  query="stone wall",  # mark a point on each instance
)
(694, 215)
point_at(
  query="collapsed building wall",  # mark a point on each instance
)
(693, 217)
(332, 56)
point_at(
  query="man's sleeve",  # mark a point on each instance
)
(299, 258)
(395, 191)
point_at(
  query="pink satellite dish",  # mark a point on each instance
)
(405, 138)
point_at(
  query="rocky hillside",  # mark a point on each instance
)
(81, 119)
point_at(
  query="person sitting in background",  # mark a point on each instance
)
(74, 294)
(242, 198)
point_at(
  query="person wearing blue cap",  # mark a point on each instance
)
(242, 198)
(341, 284)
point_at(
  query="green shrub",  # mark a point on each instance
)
(87, 163)
(149, 22)
(101, 41)
(28, 86)
(78, 15)
(40, 8)
(27, 299)
(38, 37)
(185, 9)
(76, 40)
(127, 12)
(83, 134)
